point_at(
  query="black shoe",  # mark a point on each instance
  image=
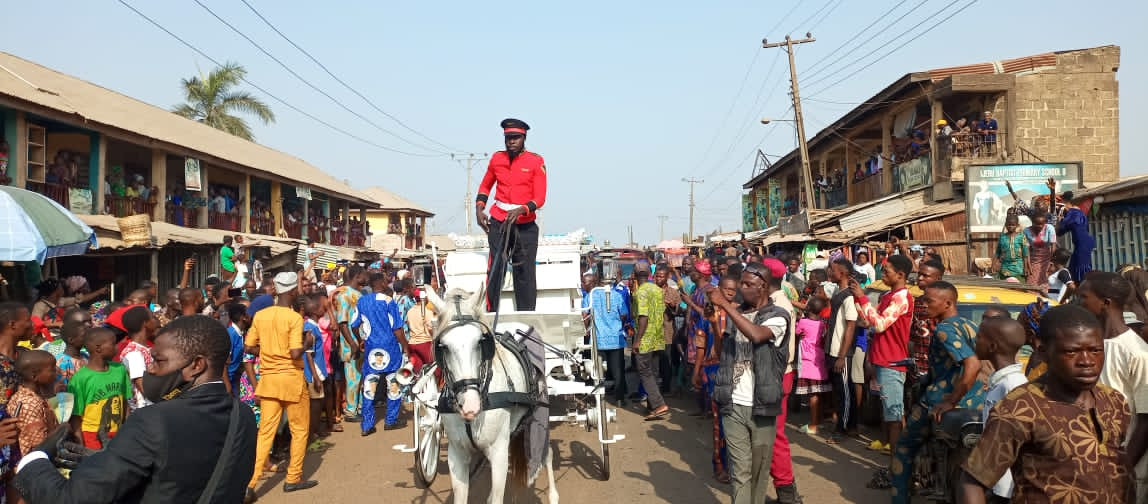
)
(369, 432)
(395, 426)
(249, 496)
(353, 418)
(302, 485)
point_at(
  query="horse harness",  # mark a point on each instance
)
(454, 389)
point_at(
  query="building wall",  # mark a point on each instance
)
(1071, 112)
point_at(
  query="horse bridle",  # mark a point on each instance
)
(481, 384)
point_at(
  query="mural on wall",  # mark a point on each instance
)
(988, 199)
(761, 207)
(774, 201)
(748, 221)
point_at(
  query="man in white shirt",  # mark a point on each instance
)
(998, 341)
(1125, 362)
(843, 325)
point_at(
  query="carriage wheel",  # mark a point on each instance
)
(604, 427)
(428, 448)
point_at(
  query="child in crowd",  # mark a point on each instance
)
(1060, 284)
(1012, 251)
(72, 357)
(314, 369)
(100, 389)
(35, 419)
(134, 353)
(813, 378)
(998, 341)
(237, 316)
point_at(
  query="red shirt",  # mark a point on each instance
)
(891, 322)
(520, 182)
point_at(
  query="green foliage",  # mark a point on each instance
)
(213, 99)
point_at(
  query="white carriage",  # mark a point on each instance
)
(574, 371)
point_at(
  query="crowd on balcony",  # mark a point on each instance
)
(968, 137)
(128, 194)
(262, 220)
(223, 209)
(181, 207)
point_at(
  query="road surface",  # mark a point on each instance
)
(662, 461)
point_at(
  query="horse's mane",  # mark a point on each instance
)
(464, 306)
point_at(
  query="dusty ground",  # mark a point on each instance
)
(664, 461)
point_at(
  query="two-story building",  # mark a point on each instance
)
(105, 155)
(889, 164)
(398, 223)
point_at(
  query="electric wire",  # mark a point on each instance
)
(856, 35)
(272, 96)
(308, 83)
(342, 82)
(814, 73)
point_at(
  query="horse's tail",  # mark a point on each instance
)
(519, 463)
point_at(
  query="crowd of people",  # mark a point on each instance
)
(314, 349)
(1032, 255)
(742, 332)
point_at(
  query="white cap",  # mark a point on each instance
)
(285, 282)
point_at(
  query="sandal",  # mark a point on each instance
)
(337, 428)
(834, 439)
(722, 477)
(658, 415)
(812, 431)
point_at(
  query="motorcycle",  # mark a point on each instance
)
(937, 470)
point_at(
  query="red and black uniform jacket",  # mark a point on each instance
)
(520, 182)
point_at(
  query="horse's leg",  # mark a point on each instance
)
(553, 490)
(458, 459)
(498, 454)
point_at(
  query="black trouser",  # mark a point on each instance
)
(616, 367)
(846, 406)
(523, 253)
(666, 371)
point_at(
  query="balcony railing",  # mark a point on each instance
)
(836, 197)
(182, 216)
(317, 228)
(868, 189)
(123, 206)
(223, 220)
(294, 229)
(56, 192)
(263, 225)
(974, 145)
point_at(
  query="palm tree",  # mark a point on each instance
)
(211, 100)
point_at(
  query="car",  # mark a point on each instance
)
(977, 294)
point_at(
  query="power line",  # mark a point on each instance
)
(305, 81)
(857, 47)
(811, 16)
(741, 87)
(285, 103)
(855, 36)
(340, 81)
(899, 46)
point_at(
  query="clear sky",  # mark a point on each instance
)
(624, 98)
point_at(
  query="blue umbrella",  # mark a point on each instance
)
(35, 228)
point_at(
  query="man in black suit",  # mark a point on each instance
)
(169, 451)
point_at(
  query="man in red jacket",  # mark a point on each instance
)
(521, 190)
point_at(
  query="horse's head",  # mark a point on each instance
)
(463, 347)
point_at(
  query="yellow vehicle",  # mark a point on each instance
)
(977, 294)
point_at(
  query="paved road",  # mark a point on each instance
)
(664, 461)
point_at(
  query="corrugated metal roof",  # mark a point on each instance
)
(390, 201)
(164, 234)
(89, 102)
(1111, 187)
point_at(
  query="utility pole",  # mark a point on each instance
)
(662, 227)
(468, 203)
(692, 182)
(806, 173)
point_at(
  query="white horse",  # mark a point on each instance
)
(471, 429)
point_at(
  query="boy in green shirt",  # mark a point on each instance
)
(101, 391)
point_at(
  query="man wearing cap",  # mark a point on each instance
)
(521, 179)
(276, 336)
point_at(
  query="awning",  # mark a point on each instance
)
(334, 253)
(108, 233)
(864, 222)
